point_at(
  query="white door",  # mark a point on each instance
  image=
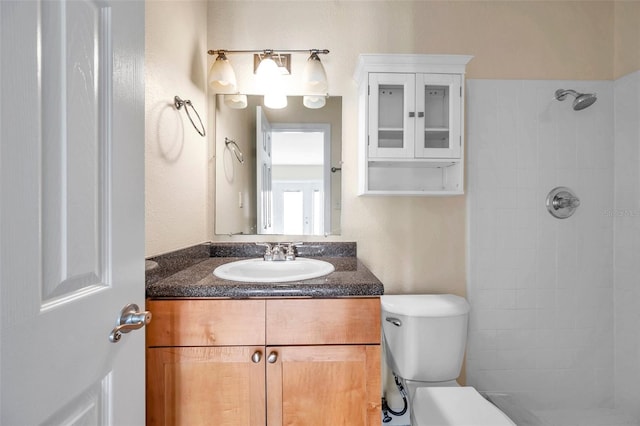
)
(264, 194)
(71, 210)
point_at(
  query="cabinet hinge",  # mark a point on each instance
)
(368, 143)
(460, 91)
(368, 90)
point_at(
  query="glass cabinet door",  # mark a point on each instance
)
(438, 98)
(391, 115)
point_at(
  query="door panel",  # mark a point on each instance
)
(323, 386)
(75, 154)
(205, 386)
(391, 115)
(72, 228)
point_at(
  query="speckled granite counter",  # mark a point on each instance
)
(189, 274)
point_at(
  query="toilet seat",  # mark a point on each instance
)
(455, 406)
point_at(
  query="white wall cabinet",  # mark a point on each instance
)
(411, 124)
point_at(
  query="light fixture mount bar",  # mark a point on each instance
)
(269, 51)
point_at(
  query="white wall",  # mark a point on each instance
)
(541, 288)
(627, 243)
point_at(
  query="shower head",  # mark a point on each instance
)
(582, 101)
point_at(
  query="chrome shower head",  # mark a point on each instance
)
(582, 101)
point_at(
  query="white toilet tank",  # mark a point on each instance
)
(425, 335)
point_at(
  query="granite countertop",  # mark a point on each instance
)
(189, 274)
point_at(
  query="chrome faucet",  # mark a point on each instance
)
(276, 252)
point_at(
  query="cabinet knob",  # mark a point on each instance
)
(412, 114)
(256, 357)
(272, 358)
(421, 114)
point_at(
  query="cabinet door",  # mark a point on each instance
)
(438, 121)
(323, 385)
(391, 115)
(205, 386)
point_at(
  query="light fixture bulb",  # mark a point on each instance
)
(314, 76)
(267, 68)
(222, 78)
(313, 101)
(236, 101)
(275, 100)
(270, 83)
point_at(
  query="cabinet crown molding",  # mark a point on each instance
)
(409, 62)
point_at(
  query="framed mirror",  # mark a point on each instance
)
(278, 172)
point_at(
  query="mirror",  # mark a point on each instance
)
(289, 180)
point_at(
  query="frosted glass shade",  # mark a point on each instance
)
(222, 78)
(236, 101)
(275, 100)
(314, 102)
(314, 76)
(267, 70)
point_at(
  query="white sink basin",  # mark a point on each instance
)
(260, 271)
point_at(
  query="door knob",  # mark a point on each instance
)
(272, 358)
(130, 319)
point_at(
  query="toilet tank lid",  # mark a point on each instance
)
(425, 305)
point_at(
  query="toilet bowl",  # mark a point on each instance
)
(424, 338)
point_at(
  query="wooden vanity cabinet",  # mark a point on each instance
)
(264, 362)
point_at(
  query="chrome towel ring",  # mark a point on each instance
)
(187, 103)
(233, 146)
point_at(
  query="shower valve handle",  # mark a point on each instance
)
(569, 201)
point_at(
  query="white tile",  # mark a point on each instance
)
(550, 281)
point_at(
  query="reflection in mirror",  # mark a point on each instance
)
(290, 181)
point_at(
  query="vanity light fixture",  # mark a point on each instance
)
(270, 82)
(315, 81)
(269, 66)
(236, 101)
(222, 78)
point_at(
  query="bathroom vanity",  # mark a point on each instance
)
(233, 353)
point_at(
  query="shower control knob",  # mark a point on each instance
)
(562, 202)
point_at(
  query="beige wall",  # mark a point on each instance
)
(176, 189)
(417, 244)
(627, 37)
(412, 244)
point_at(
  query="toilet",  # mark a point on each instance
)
(424, 339)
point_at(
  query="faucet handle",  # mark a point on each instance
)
(291, 255)
(268, 254)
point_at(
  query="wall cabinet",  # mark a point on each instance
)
(264, 362)
(411, 124)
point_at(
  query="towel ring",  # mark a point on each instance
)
(233, 146)
(187, 103)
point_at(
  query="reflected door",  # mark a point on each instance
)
(264, 178)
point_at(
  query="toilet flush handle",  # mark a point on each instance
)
(394, 321)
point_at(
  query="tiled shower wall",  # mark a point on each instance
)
(541, 289)
(627, 244)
